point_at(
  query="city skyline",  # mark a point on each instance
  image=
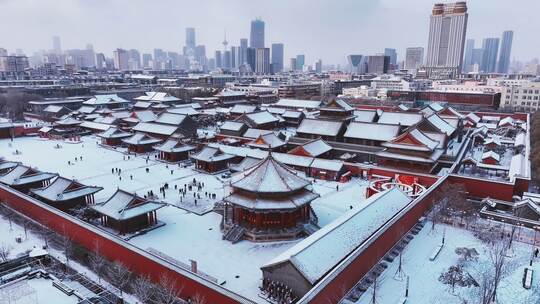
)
(296, 39)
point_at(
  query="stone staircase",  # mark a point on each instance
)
(234, 234)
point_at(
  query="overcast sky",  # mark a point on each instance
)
(326, 29)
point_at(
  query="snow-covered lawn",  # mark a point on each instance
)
(423, 274)
(34, 291)
(186, 235)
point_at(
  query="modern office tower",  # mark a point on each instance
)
(300, 61)
(447, 30)
(190, 37)
(147, 60)
(3, 52)
(468, 58)
(234, 57)
(277, 57)
(134, 60)
(251, 58)
(121, 58)
(489, 58)
(218, 58)
(13, 66)
(242, 53)
(318, 66)
(392, 54)
(292, 64)
(353, 62)
(200, 55)
(414, 58)
(477, 55)
(100, 61)
(226, 61)
(159, 57)
(376, 64)
(262, 61)
(256, 38)
(57, 46)
(506, 50)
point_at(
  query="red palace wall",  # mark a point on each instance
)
(482, 188)
(345, 276)
(116, 249)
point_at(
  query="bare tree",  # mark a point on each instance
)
(198, 299)
(5, 250)
(169, 290)
(97, 260)
(119, 276)
(67, 244)
(375, 290)
(143, 289)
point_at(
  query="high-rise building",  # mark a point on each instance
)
(134, 62)
(3, 52)
(226, 61)
(277, 57)
(300, 62)
(13, 66)
(392, 54)
(377, 64)
(190, 37)
(292, 64)
(256, 38)
(489, 58)
(147, 60)
(57, 46)
(251, 58)
(318, 66)
(242, 52)
(218, 59)
(468, 58)
(100, 61)
(121, 59)
(476, 64)
(447, 30)
(354, 62)
(506, 50)
(234, 57)
(414, 58)
(262, 61)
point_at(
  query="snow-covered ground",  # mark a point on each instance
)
(423, 274)
(186, 235)
(34, 291)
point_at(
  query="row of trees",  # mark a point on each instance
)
(14, 104)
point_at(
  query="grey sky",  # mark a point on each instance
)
(327, 29)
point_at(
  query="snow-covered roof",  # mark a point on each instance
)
(269, 140)
(316, 255)
(519, 166)
(155, 128)
(320, 127)
(105, 99)
(520, 140)
(508, 120)
(173, 146)
(489, 118)
(7, 165)
(371, 131)
(142, 104)
(63, 189)
(171, 119)
(109, 120)
(491, 154)
(157, 97)
(241, 109)
(291, 114)
(53, 109)
(86, 109)
(420, 141)
(442, 125)
(270, 176)
(400, 118)
(493, 140)
(263, 117)
(141, 139)
(327, 164)
(245, 164)
(232, 125)
(124, 205)
(144, 116)
(186, 110)
(211, 154)
(68, 122)
(95, 126)
(21, 175)
(364, 115)
(298, 103)
(473, 117)
(254, 133)
(114, 132)
(315, 147)
(338, 104)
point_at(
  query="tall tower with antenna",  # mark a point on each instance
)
(225, 42)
